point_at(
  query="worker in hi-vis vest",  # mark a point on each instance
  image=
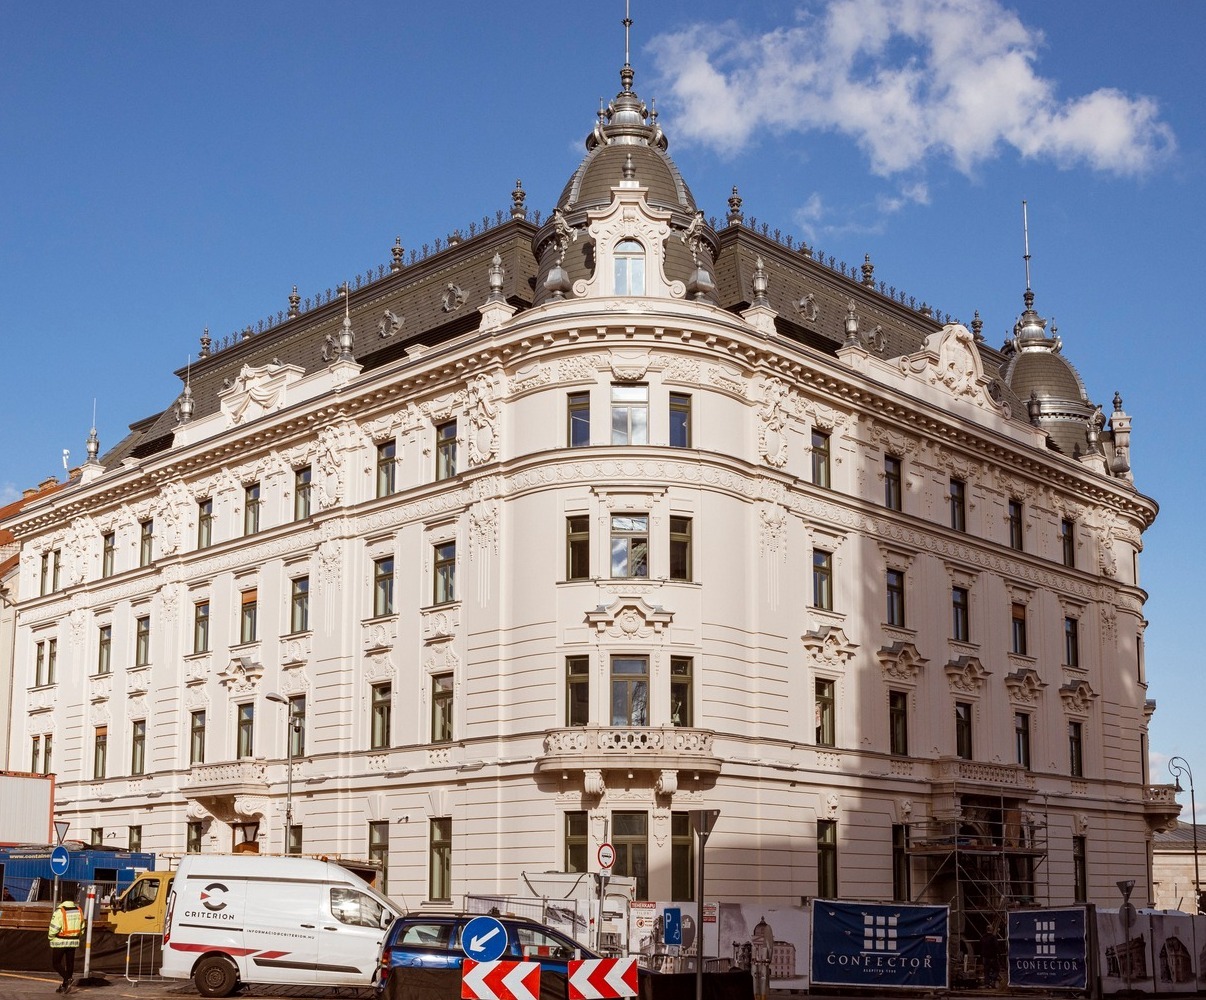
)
(66, 932)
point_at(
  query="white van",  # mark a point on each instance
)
(282, 920)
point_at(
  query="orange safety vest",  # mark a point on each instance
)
(72, 921)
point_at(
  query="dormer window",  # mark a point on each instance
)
(630, 268)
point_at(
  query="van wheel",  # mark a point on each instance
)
(216, 977)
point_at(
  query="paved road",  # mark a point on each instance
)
(33, 985)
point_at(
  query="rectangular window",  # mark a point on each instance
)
(827, 869)
(630, 545)
(439, 883)
(387, 468)
(958, 505)
(822, 579)
(441, 708)
(680, 548)
(138, 746)
(1071, 642)
(205, 523)
(201, 627)
(896, 597)
(251, 508)
(293, 844)
(1080, 869)
(629, 691)
(824, 708)
(629, 268)
(297, 725)
(35, 757)
(1017, 629)
(445, 450)
(245, 728)
(299, 604)
(47, 753)
(249, 614)
(682, 858)
(134, 838)
(104, 649)
(1015, 524)
(898, 723)
(1076, 750)
(578, 419)
(630, 837)
(577, 691)
(963, 730)
(383, 586)
(108, 552)
(100, 751)
(146, 542)
(302, 486)
(142, 641)
(630, 414)
(577, 547)
(960, 615)
(50, 572)
(680, 428)
(192, 837)
(196, 737)
(1067, 541)
(902, 880)
(444, 572)
(682, 669)
(382, 710)
(378, 849)
(577, 841)
(820, 459)
(1021, 737)
(46, 662)
(892, 482)
(96, 836)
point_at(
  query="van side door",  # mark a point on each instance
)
(352, 930)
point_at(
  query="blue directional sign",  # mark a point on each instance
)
(672, 925)
(59, 860)
(484, 939)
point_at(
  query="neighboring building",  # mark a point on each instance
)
(565, 530)
(9, 576)
(1176, 867)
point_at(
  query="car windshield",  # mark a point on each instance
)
(538, 942)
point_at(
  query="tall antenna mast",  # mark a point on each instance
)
(1026, 242)
(627, 22)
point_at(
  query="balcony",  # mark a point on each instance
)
(978, 776)
(234, 787)
(591, 752)
(1160, 807)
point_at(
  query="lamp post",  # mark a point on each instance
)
(702, 820)
(1178, 766)
(1127, 911)
(280, 699)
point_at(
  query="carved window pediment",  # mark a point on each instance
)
(828, 645)
(901, 662)
(1025, 685)
(630, 618)
(241, 674)
(966, 675)
(1077, 697)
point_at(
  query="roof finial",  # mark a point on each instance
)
(627, 22)
(1026, 254)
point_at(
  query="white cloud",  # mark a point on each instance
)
(909, 81)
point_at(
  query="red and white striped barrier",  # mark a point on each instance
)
(500, 980)
(602, 978)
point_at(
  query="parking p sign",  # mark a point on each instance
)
(672, 925)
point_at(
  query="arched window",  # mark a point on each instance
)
(630, 268)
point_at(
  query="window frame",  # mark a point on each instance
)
(827, 859)
(682, 691)
(824, 694)
(894, 581)
(1071, 641)
(108, 553)
(443, 692)
(577, 840)
(443, 572)
(252, 503)
(138, 747)
(1017, 629)
(577, 547)
(387, 468)
(629, 258)
(142, 641)
(964, 730)
(445, 450)
(439, 870)
(104, 649)
(577, 690)
(383, 586)
(629, 546)
(822, 579)
(630, 838)
(245, 730)
(898, 723)
(1067, 542)
(299, 604)
(1076, 748)
(957, 502)
(295, 715)
(303, 492)
(680, 420)
(249, 616)
(820, 459)
(381, 709)
(1021, 737)
(1014, 516)
(146, 542)
(196, 736)
(205, 523)
(629, 413)
(681, 545)
(100, 752)
(893, 482)
(960, 614)
(629, 692)
(201, 620)
(577, 420)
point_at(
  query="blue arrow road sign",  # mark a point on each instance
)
(59, 860)
(484, 939)
(672, 925)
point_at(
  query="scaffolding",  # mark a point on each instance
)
(985, 860)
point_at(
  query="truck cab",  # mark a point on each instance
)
(141, 908)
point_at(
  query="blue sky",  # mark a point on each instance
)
(171, 167)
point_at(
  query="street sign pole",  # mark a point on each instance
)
(606, 857)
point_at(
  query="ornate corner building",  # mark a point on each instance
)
(557, 532)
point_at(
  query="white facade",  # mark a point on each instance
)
(467, 682)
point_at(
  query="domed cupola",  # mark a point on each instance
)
(625, 153)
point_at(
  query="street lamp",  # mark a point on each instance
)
(280, 699)
(702, 820)
(1178, 766)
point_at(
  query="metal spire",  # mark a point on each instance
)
(1026, 243)
(627, 22)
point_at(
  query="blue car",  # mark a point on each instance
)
(433, 941)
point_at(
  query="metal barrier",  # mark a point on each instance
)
(144, 954)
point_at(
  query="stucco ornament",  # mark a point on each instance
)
(773, 414)
(483, 420)
(949, 358)
(328, 470)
